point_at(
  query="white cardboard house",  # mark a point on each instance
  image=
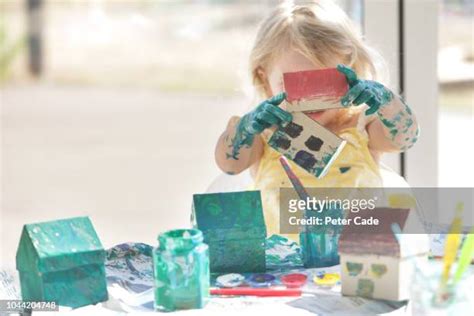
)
(374, 263)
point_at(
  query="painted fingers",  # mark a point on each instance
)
(361, 91)
(269, 113)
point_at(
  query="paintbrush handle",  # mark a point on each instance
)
(297, 185)
(452, 244)
(249, 291)
(467, 252)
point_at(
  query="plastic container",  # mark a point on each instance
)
(294, 280)
(427, 299)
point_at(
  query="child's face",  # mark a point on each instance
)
(293, 61)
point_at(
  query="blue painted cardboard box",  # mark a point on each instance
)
(234, 229)
(62, 261)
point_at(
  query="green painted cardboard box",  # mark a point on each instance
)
(62, 261)
(234, 229)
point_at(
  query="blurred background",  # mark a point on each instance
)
(112, 108)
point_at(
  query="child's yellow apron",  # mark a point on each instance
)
(353, 168)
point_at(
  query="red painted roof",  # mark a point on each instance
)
(375, 240)
(314, 83)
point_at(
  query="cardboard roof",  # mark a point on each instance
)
(380, 240)
(303, 85)
(59, 245)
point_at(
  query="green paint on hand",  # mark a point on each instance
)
(387, 123)
(395, 116)
(372, 93)
(266, 114)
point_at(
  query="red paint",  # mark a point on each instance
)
(250, 291)
(315, 115)
(314, 83)
(294, 280)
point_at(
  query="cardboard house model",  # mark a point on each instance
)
(374, 264)
(234, 229)
(309, 144)
(62, 261)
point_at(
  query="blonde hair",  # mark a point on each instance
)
(320, 31)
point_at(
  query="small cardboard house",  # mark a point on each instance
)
(233, 228)
(310, 145)
(62, 261)
(374, 264)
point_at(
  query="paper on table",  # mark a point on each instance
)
(327, 304)
(9, 285)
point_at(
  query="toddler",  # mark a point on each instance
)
(374, 120)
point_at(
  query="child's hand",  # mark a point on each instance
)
(362, 91)
(265, 115)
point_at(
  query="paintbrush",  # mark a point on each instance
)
(300, 190)
(297, 185)
(452, 244)
(467, 252)
(397, 232)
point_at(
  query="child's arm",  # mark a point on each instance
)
(396, 128)
(397, 124)
(238, 148)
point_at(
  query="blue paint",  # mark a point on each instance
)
(261, 280)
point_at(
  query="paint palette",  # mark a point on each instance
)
(308, 144)
(314, 90)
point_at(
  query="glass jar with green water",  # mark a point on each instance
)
(319, 243)
(181, 270)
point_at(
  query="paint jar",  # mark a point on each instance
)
(319, 244)
(427, 299)
(181, 270)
